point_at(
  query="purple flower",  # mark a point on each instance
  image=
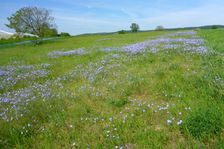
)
(57, 54)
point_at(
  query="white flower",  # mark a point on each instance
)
(70, 126)
(179, 122)
(168, 121)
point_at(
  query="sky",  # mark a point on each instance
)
(91, 16)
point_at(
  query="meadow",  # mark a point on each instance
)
(158, 89)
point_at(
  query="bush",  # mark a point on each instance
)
(121, 32)
(51, 32)
(204, 123)
(214, 27)
(64, 34)
(118, 102)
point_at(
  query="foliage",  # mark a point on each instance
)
(31, 20)
(118, 102)
(121, 32)
(134, 27)
(51, 32)
(64, 34)
(204, 123)
(214, 27)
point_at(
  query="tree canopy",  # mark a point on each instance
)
(134, 27)
(32, 20)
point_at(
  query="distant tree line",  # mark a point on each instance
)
(135, 28)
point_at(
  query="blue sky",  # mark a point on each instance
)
(89, 16)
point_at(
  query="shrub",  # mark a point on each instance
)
(64, 34)
(214, 27)
(204, 122)
(121, 32)
(51, 32)
(118, 102)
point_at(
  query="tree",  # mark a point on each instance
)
(134, 27)
(214, 26)
(159, 28)
(51, 32)
(31, 20)
(121, 32)
(64, 34)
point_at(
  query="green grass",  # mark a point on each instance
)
(14, 40)
(205, 122)
(215, 38)
(120, 105)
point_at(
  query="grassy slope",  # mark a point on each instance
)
(215, 38)
(8, 40)
(160, 78)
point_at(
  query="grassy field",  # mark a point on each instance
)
(161, 89)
